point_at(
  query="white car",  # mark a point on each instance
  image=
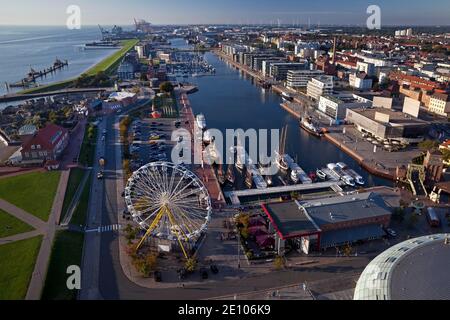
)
(391, 233)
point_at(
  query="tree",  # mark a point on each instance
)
(428, 145)
(52, 117)
(399, 214)
(446, 155)
(412, 221)
(279, 262)
(347, 250)
(166, 87)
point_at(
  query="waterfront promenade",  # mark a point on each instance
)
(205, 172)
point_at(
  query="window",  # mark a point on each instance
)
(33, 147)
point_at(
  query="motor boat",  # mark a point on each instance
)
(322, 175)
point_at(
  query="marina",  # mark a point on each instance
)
(258, 108)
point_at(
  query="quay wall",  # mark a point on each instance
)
(386, 174)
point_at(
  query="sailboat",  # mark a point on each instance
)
(249, 179)
(230, 174)
(220, 174)
(280, 160)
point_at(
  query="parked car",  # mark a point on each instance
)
(214, 269)
(157, 276)
(204, 273)
(182, 274)
(391, 233)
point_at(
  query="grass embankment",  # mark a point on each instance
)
(67, 251)
(108, 65)
(10, 226)
(87, 152)
(75, 178)
(17, 262)
(33, 192)
(80, 214)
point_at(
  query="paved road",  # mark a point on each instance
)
(103, 277)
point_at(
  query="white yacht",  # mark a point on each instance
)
(350, 172)
(201, 121)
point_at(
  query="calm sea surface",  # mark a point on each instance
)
(24, 47)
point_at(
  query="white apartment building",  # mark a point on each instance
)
(440, 104)
(335, 106)
(140, 51)
(366, 67)
(300, 78)
(360, 81)
(320, 86)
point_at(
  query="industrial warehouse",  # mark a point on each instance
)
(328, 223)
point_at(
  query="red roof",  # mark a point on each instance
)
(48, 137)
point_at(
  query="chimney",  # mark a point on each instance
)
(334, 49)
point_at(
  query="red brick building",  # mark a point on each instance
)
(46, 145)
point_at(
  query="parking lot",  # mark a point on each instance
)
(151, 141)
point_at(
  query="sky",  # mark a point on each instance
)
(122, 12)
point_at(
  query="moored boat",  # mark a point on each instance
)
(307, 125)
(230, 174)
(322, 175)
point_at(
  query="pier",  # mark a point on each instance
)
(234, 195)
(34, 75)
(205, 171)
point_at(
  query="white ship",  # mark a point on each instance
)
(286, 97)
(336, 169)
(321, 174)
(201, 121)
(297, 173)
(281, 162)
(207, 137)
(101, 45)
(352, 173)
(259, 181)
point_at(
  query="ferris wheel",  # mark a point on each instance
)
(168, 202)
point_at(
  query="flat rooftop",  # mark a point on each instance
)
(346, 208)
(396, 117)
(292, 221)
(289, 220)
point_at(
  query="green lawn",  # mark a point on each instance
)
(10, 225)
(17, 262)
(75, 178)
(107, 65)
(67, 251)
(32, 192)
(80, 214)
